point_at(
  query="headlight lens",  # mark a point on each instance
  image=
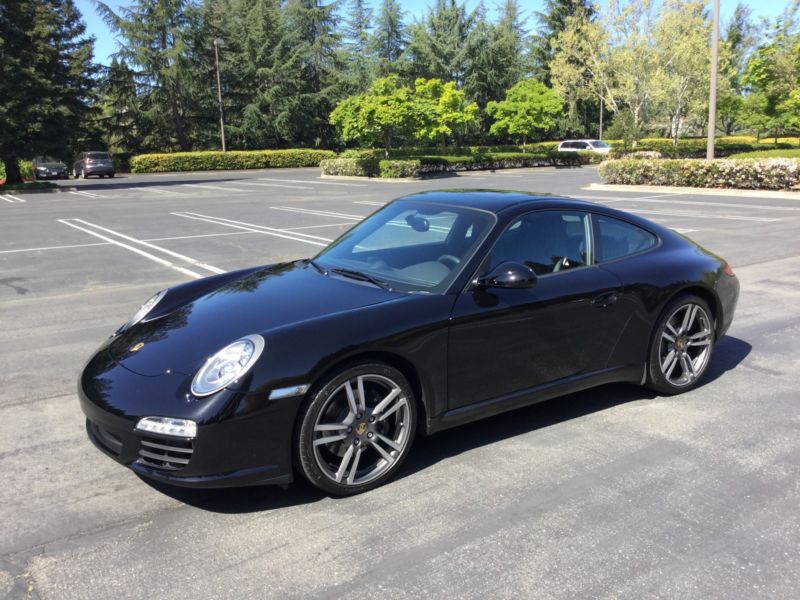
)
(144, 310)
(227, 365)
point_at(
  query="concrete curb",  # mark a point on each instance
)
(604, 187)
(379, 179)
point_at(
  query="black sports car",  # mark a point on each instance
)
(438, 309)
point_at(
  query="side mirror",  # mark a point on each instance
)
(509, 275)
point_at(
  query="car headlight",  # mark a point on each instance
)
(144, 310)
(227, 365)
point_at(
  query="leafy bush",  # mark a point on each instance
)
(235, 159)
(25, 167)
(794, 153)
(692, 147)
(399, 168)
(651, 154)
(350, 167)
(767, 174)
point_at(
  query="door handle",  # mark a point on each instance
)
(605, 300)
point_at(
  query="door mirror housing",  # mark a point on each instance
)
(509, 275)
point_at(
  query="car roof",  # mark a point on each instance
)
(495, 201)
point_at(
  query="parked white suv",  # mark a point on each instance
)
(584, 145)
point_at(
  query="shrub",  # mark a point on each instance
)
(25, 168)
(399, 168)
(692, 147)
(795, 153)
(235, 159)
(651, 154)
(767, 174)
(350, 167)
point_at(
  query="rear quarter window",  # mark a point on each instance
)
(618, 239)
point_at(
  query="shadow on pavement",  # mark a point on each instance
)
(729, 353)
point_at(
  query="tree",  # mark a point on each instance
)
(438, 44)
(379, 115)
(46, 79)
(529, 109)
(441, 110)
(681, 37)
(119, 104)
(357, 46)
(552, 21)
(389, 38)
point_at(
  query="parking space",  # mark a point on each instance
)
(612, 492)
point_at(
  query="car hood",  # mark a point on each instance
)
(52, 165)
(267, 299)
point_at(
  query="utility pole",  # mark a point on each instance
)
(712, 93)
(217, 43)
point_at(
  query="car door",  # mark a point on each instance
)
(505, 341)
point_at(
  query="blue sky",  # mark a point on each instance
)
(105, 44)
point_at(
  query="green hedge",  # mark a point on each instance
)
(233, 160)
(691, 147)
(767, 174)
(795, 153)
(366, 163)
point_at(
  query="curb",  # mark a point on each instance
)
(365, 178)
(607, 187)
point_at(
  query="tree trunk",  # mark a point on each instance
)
(675, 127)
(13, 175)
(387, 143)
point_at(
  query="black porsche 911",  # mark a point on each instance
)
(438, 309)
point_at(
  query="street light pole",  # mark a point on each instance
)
(217, 44)
(712, 93)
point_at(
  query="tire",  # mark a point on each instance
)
(111, 175)
(682, 346)
(370, 429)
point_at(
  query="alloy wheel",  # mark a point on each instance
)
(685, 344)
(362, 429)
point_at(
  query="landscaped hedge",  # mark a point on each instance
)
(767, 174)
(691, 147)
(233, 160)
(366, 163)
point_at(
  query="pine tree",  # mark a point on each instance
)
(553, 20)
(357, 48)
(121, 120)
(389, 38)
(46, 79)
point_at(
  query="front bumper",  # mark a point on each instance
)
(249, 445)
(50, 174)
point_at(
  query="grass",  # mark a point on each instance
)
(794, 153)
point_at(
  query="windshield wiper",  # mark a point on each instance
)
(316, 265)
(361, 277)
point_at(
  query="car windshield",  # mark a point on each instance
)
(598, 144)
(409, 246)
(46, 159)
(97, 155)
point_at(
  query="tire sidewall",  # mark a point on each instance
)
(655, 378)
(304, 459)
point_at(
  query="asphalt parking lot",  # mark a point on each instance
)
(614, 492)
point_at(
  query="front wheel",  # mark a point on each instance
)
(682, 345)
(356, 429)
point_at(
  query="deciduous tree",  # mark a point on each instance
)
(529, 109)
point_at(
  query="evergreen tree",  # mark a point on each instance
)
(552, 21)
(438, 46)
(389, 38)
(306, 77)
(46, 79)
(357, 45)
(121, 120)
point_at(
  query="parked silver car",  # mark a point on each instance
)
(584, 145)
(93, 163)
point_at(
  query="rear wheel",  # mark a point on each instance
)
(356, 429)
(682, 345)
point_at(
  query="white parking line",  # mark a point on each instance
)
(280, 233)
(12, 199)
(697, 215)
(317, 226)
(214, 187)
(147, 255)
(319, 213)
(52, 248)
(280, 185)
(86, 194)
(156, 191)
(315, 182)
(369, 202)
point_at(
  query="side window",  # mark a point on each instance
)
(617, 238)
(582, 146)
(546, 241)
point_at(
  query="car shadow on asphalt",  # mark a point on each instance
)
(729, 353)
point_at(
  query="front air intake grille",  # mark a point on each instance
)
(165, 454)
